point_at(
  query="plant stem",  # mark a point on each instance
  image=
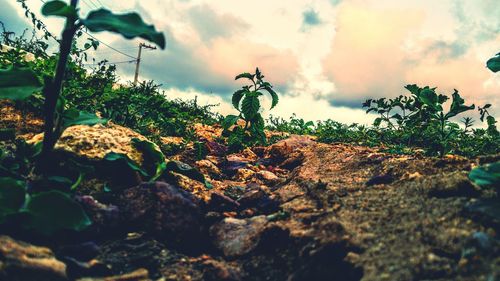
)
(53, 88)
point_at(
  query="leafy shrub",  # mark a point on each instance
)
(246, 101)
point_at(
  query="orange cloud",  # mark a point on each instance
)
(367, 53)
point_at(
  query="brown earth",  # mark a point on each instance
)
(300, 210)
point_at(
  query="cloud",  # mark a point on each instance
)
(310, 18)
(211, 25)
(366, 57)
(11, 19)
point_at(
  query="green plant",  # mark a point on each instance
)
(494, 63)
(20, 82)
(246, 101)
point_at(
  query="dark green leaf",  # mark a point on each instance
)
(58, 8)
(54, 210)
(244, 75)
(123, 159)
(151, 153)
(237, 96)
(73, 117)
(377, 122)
(494, 63)
(12, 194)
(129, 25)
(457, 106)
(18, 83)
(274, 96)
(229, 121)
(250, 105)
(487, 175)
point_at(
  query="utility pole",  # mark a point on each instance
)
(138, 60)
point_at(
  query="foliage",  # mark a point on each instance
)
(494, 63)
(246, 101)
(487, 176)
(52, 210)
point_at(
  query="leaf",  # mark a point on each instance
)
(377, 122)
(229, 121)
(237, 96)
(244, 75)
(150, 152)
(250, 105)
(123, 159)
(457, 106)
(185, 169)
(129, 25)
(273, 94)
(494, 63)
(54, 210)
(18, 83)
(73, 117)
(429, 98)
(487, 175)
(12, 194)
(58, 8)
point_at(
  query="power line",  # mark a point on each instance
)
(109, 46)
(116, 62)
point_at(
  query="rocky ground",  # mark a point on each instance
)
(295, 210)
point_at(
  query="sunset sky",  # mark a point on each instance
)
(324, 57)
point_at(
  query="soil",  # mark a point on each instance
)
(323, 212)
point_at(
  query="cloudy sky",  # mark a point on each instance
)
(325, 57)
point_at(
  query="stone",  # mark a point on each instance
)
(282, 149)
(140, 274)
(163, 209)
(94, 142)
(450, 184)
(206, 167)
(222, 203)
(23, 261)
(268, 177)
(244, 174)
(216, 270)
(237, 237)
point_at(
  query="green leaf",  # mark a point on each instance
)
(377, 122)
(54, 210)
(129, 25)
(250, 105)
(457, 106)
(18, 83)
(12, 194)
(429, 97)
(244, 75)
(73, 117)
(150, 152)
(487, 175)
(58, 8)
(273, 94)
(237, 96)
(186, 170)
(229, 121)
(494, 63)
(123, 159)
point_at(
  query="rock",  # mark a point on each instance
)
(206, 167)
(237, 237)
(140, 274)
(256, 197)
(217, 270)
(268, 177)
(207, 132)
(282, 149)
(163, 209)
(94, 142)
(23, 261)
(243, 175)
(103, 216)
(222, 203)
(215, 148)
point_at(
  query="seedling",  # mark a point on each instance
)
(246, 101)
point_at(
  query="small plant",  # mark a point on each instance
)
(246, 101)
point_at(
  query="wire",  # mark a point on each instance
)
(109, 46)
(116, 62)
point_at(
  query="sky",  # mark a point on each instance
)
(324, 57)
